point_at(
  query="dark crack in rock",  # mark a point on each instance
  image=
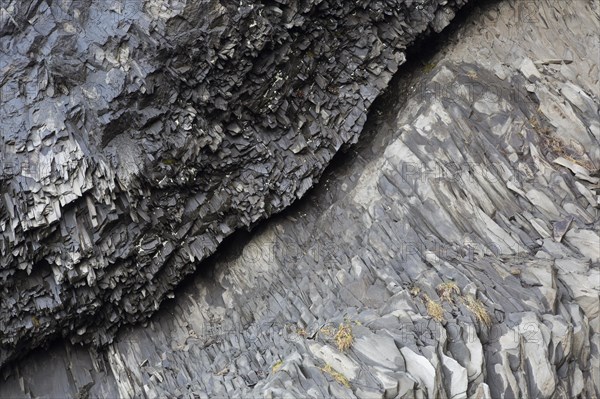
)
(137, 135)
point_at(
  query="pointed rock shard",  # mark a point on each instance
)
(561, 228)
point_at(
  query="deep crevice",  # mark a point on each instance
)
(419, 59)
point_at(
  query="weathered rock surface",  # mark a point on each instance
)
(137, 135)
(458, 242)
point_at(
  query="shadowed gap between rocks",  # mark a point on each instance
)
(372, 141)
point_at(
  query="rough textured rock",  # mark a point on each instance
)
(137, 135)
(458, 242)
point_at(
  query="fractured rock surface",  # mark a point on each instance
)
(458, 243)
(137, 135)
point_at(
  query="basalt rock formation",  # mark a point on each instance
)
(137, 135)
(452, 252)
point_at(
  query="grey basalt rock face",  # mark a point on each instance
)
(136, 135)
(457, 242)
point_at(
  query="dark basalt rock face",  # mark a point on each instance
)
(137, 135)
(453, 252)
